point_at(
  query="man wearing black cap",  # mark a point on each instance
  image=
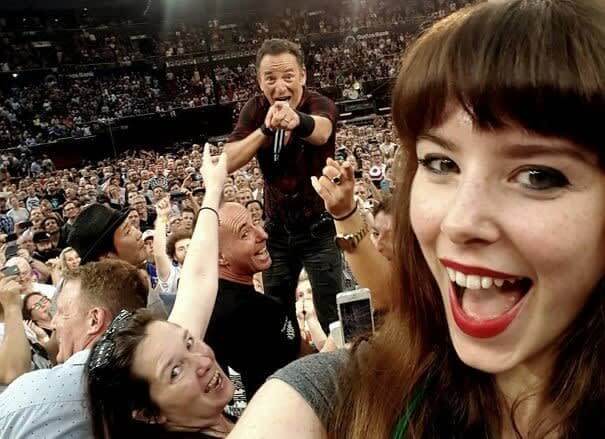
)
(100, 233)
(44, 247)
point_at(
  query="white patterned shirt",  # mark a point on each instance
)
(47, 403)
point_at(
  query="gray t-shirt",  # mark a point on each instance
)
(315, 378)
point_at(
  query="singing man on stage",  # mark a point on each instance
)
(292, 131)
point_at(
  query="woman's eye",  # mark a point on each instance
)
(438, 164)
(176, 371)
(541, 179)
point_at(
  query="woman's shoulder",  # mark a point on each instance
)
(315, 378)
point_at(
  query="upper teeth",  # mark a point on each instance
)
(213, 381)
(475, 282)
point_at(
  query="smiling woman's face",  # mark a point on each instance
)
(490, 206)
(185, 381)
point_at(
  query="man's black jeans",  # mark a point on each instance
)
(312, 248)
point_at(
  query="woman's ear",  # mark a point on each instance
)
(141, 415)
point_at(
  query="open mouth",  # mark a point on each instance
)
(284, 98)
(216, 382)
(262, 253)
(485, 306)
(484, 297)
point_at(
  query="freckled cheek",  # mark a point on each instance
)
(426, 214)
(564, 257)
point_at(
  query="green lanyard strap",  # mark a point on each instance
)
(402, 425)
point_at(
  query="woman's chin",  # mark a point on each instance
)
(487, 359)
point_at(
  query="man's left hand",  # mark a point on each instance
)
(283, 117)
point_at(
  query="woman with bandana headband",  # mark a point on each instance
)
(153, 378)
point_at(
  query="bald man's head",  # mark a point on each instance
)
(242, 245)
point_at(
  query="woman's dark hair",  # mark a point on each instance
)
(538, 65)
(260, 204)
(358, 155)
(173, 239)
(27, 314)
(113, 391)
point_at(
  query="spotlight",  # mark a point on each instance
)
(15, 75)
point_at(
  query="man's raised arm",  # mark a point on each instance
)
(247, 138)
(242, 151)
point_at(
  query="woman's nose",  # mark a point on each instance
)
(469, 216)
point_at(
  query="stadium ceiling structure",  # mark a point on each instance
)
(45, 5)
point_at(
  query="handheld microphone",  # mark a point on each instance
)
(278, 143)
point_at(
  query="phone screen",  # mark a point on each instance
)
(12, 270)
(356, 319)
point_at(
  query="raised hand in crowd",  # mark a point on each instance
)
(15, 353)
(370, 268)
(41, 335)
(199, 276)
(54, 265)
(163, 208)
(10, 292)
(311, 330)
(191, 202)
(162, 260)
(336, 188)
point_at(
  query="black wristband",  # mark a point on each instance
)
(306, 126)
(266, 131)
(348, 215)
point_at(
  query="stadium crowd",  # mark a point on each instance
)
(193, 293)
(34, 112)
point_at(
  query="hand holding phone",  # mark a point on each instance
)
(356, 313)
(10, 292)
(12, 270)
(10, 251)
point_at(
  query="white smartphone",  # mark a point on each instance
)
(355, 313)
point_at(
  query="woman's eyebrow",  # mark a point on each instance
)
(523, 150)
(539, 149)
(445, 143)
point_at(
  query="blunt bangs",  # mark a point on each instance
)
(533, 64)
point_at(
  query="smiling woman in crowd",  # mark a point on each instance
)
(153, 378)
(499, 321)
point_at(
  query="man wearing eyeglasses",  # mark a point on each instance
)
(71, 210)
